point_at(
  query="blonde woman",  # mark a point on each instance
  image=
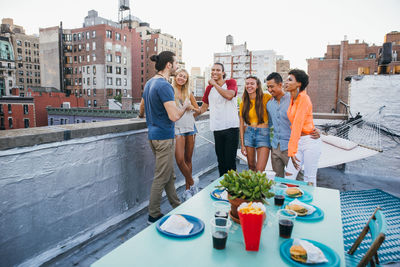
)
(185, 130)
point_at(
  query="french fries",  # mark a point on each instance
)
(249, 209)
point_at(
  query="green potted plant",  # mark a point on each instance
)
(245, 187)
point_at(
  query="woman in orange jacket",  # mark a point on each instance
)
(302, 149)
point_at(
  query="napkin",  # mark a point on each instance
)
(224, 195)
(177, 224)
(310, 209)
(314, 254)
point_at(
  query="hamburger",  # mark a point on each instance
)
(294, 192)
(299, 209)
(298, 253)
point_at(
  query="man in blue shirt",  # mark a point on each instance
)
(277, 116)
(161, 113)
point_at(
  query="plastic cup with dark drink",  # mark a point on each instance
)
(219, 230)
(279, 190)
(221, 209)
(286, 222)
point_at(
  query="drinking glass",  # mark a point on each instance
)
(286, 220)
(219, 230)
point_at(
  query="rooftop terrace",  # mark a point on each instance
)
(72, 193)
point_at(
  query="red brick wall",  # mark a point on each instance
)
(17, 115)
(53, 99)
(136, 66)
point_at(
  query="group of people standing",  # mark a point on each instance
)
(170, 116)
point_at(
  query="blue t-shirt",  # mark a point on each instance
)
(156, 93)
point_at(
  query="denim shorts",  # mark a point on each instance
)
(189, 133)
(257, 137)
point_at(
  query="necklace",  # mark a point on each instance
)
(162, 76)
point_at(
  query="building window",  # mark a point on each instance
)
(95, 103)
(94, 92)
(26, 109)
(118, 81)
(9, 109)
(79, 47)
(109, 69)
(125, 61)
(118, 59)
(109, 58)
(124, 38)
(89, 103)
(109, 92)
(108, 34)
(88, 58)
(51, 121)
(10, 123)
(109, 81)
(88, 93)
(87, 35)
(87, 47)
(93, 34)
(118, 70)
(88, 81)
(61, 121)
(94, 69)
(79, 36)
(125, 71)
(118, 36)
(94, 57)
(94, 80)
(94, 46)
(77, 121)
(26, 123)
(125, 82)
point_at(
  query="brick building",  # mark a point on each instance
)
(17, 112)
(328, 88)
(95, 61)
(50, 97)
(153, 41)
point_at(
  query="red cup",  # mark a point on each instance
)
(251, 227)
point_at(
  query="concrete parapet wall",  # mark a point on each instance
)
(57, 193)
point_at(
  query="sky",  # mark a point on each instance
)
(293, 28)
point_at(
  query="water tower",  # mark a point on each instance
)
(123, 7)
(229, 43)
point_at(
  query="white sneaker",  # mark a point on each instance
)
(194, 189)
(187, 194)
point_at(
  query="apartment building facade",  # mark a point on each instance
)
(328, 87)
(26, 55)
(241, 62)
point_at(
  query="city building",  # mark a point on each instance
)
(7, 66)
(241, 62)
(95, 61)
(26, 55)
(283, 67)
(17, 112)
(329, 86)
(60, 116)
(154, 42)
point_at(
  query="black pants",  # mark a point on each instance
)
(226, 145)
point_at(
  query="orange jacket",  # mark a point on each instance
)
(300, 115)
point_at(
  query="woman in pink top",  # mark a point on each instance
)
(302, 149)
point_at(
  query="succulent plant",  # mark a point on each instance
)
(247, 185)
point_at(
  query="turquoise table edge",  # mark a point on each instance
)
(202, 196)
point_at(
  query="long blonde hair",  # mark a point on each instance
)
(185, 88)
